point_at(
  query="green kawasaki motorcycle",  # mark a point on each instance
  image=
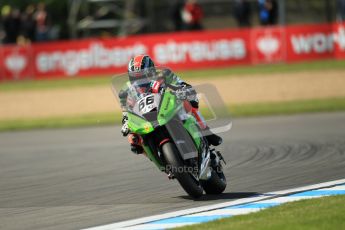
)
(171, 136)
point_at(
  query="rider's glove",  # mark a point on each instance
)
(181, 94)
(186, 93)
(191, 94)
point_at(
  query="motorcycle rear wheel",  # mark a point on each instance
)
(216, 184)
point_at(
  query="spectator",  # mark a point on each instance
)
(192, 15)
(242, 13)
(41, 18)
(176, 14)
(11, 24)
(5, 12)
(28, 25)
(341, 10)
(268, 12)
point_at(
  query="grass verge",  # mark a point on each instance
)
(61, 122)
(321, 213)
(260, 109)
(289, 107)
(186, 75)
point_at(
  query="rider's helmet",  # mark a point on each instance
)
(140, 72)
(139, 67)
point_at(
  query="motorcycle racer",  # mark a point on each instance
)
(143, 64)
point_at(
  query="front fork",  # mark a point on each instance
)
(205, 166)
(210, 161)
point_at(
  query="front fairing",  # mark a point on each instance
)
(169, 108)
(138, 124)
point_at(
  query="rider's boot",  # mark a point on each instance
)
(136, 143)
(213, 139)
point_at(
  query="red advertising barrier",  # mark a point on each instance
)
(16, 62)
(310, 42)
(268, 45)
(339, 40)
(180, 51)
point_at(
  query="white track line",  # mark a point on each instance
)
(341, 187)
(257, 199)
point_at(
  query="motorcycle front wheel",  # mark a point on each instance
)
(185, 178)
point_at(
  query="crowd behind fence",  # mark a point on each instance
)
(25, 26)
(35, 22)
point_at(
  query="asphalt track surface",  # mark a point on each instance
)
(77, 178)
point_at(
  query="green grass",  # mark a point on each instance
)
(61, 122)
(260, 109)
(289, 107)
(186, 75)
(321, 213)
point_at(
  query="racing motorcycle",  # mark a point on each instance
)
(171, 137)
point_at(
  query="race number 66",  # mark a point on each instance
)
(145, 102)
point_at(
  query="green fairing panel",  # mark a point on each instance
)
(139, 125)
(190, 126)
(168, 108)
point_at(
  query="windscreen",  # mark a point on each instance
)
(134, 93)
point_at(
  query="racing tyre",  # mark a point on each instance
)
(216, 184)
(186, 180)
